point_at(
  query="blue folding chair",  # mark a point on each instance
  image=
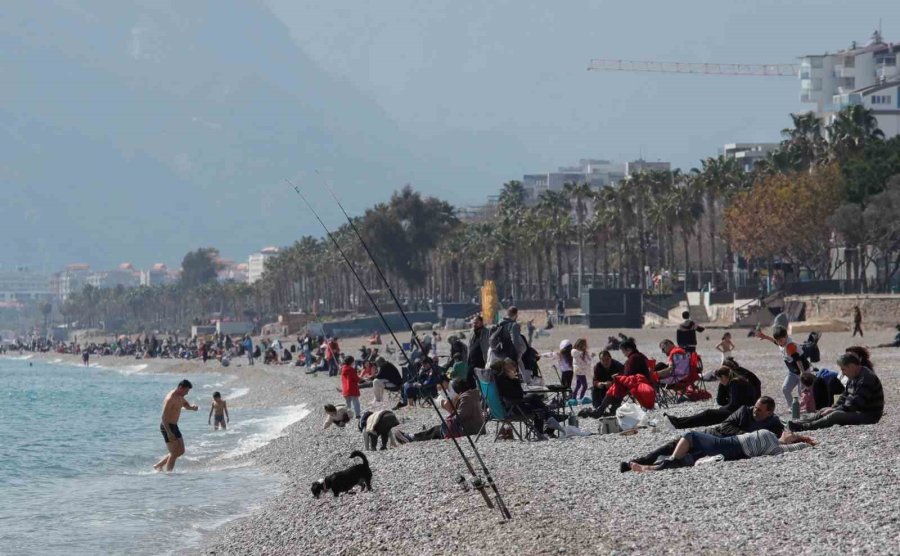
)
(496, 411)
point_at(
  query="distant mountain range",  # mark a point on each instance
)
(136, 131)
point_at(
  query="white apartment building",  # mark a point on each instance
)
(113, 278)
(22, 285)
(257, 263)
(71, 280)
(156, 275)
(860, 75)
(748, 154)
(595, 172)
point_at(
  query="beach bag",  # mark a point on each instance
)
(630, 416)
(695, 394)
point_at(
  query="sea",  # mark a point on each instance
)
(77, 446)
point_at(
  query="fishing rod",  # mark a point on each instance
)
(502, 505)
(476, 479)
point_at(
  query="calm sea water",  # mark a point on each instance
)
(76, 456)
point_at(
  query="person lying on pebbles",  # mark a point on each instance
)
(696, 445)
(760, 417)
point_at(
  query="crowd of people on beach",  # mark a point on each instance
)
(499, 360)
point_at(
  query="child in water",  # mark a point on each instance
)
(220, 408)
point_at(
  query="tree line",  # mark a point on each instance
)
(827, 186)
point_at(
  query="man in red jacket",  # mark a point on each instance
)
(350, 385)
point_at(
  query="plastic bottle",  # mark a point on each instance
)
(795, 408)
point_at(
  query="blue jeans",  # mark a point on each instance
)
(703, 444)
(791, 381)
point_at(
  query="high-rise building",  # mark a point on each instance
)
(748, 154)
(156, 275)
(860, 75)
(22, 285)
(257, 263)
(595, 172)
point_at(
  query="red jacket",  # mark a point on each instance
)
(349, 381)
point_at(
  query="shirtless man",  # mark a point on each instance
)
(171, 411)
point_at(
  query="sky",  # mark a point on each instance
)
(516, 71)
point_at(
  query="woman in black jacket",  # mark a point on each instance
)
(509, 386)
(734, 392)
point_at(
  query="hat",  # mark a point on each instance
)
(564, 344)
(459, 370)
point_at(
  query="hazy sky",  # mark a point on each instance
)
(517, 69)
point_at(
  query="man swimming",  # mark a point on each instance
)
(168, 426)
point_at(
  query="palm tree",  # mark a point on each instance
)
(852, 129)
(554, 206)
(804, 141)
(688, 204)
(579, 194)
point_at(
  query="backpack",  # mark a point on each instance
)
(501, 341)
(810, 347)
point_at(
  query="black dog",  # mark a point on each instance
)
(344, 481)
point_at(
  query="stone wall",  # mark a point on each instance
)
(877, 309)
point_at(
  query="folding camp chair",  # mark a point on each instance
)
(497, 412)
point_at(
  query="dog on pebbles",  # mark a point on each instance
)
(344, 481)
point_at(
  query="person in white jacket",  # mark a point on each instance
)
(583, 367)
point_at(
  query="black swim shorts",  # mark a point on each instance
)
(174, 429)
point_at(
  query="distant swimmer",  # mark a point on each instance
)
(220, 408)
(168, 426)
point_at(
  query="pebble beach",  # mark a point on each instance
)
(568, 496)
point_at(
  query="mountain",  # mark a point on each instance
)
(136, 131)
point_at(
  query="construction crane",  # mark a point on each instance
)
(750, 70)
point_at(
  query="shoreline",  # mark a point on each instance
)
(566, 494)
(260, 388)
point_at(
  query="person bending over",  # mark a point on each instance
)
(760, 416)
(695, 445)
(734, 392)
(862, 402)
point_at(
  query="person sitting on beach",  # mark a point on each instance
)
(696, 445)
(336, 415)
(387, 377)
(679, 366)
(220, 408)
(466, 416)
(375, 339)
(734, 392)
(862, 402)
(425, 383)
(895, 343)
(760, 416)
(605, 372)
(509, 386)
(634, 379)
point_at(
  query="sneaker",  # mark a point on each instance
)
(399, 406)
(624, 466)
(540, 437)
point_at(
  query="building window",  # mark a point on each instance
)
(881, 99)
